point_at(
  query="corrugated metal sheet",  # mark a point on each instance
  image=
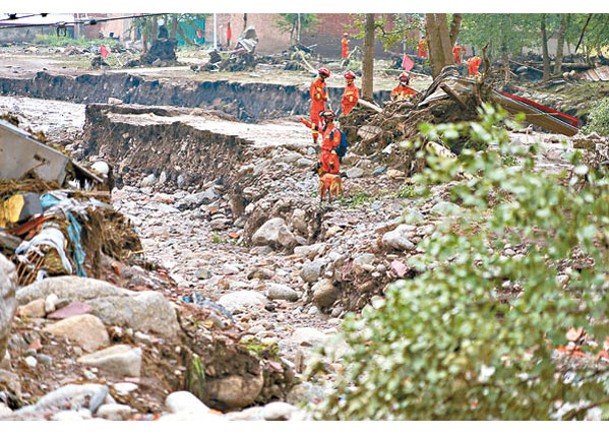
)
(600, 74)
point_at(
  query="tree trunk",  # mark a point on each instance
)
(560, 42)
(368, 60)
(438, 41)
(155, 29)
(544, 49)
(455, 26)
(173, 33)
(145, 35)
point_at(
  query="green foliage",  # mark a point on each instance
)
(215, 238)
(598, 119)
(63, 41)
(410, 191)
(392, 29)
(356, 199)
(449, 344)
(289, 23)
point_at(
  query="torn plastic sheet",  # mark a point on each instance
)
(48, 236)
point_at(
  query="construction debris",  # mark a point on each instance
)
(55, 216)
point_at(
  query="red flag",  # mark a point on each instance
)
(103, 51)
(199, 33)
(229, 33)
(407, 63)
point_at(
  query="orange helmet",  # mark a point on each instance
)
(323, 71)
(349, 75)
(404, 77)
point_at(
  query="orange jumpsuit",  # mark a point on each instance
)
(319, 97)
(350, 97)
(328, 157)
(422, 48)
(402, 93)
(344, 48)
(457, 50)
(473, 64)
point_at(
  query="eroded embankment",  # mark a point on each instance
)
(249, 102)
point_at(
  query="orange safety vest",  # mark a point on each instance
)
(422, 48)
(345, 48)
(457, 49)
(328, 158)
(350, 98)
(402, 93)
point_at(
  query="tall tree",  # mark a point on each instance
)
(455, 27)
(289, 23)
(544, 48)
(368, 59)
(560, 42)
(438, 40)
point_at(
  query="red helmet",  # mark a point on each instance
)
(349, 75)
(323, 71)
(404, 77)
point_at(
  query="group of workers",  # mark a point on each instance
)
(322, 117)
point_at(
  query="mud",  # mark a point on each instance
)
(248, 102)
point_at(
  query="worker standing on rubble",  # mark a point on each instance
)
(319, 96)
(458, 50)
(422, 48)
(331, 137)
(473, 64)
(350, 94)
(344, 47)
(403, 91)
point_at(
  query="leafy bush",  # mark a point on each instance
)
(452, 344)
(598, 119)
(63, 41)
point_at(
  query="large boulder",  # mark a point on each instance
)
(8, 303)
(274, 233)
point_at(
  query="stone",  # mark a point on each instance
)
(115, 412)
(34, 309)
(70, 287)
(281, 292)
(5, 411)
(278, 411)
(394, 174)
(72, 309)
(398, 239)
(119, 360)
(413, 217)
(195, 200)
(148, 181)
(325, 293)
(50, 303)
(308, 336)
(445, 208)
(363, 260)
(8, 302)
(185, 402)
(305, 163)
(85, 330)
(235, 391)
(379, 170)
(31, 362)
(275, 233)
(70, 396)
(239, 300)
(311, 271)
(288, 157)
(355, 173)
(163, 177)
(310, 251)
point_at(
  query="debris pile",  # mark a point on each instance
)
(55, 216)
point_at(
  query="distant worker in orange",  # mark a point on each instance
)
(422, 48)
(319, 96)
(331, 140)
(403, 91)
(350, 94)
(344, 47)
(473, 64)
(458, 50)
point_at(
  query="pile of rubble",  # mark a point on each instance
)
(55, 216)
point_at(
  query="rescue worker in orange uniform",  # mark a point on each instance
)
(422, 48)
(403, 91)
(473, 64)
(457, 51)
(344, 47)
(330, 141)
(350, 94)
(319, 96)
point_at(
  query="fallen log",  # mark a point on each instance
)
(370, 105)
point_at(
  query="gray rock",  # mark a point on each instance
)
(398, 239)
(119, 360)
(311, 337)
(70, 287)
(85, 330)
(305, 163)
(413, 217)
(8, 303)
(115, 412)
(288, 157)
(34, 309)
(274, 233)
(239, 300)
(310, 251)
(363, 260)
(281, 292)
(163, 178)
(72, 396)
(278, 411)
(236, 391)
(311, 271)
(253, 413)
(185, 402)
(148, 181)
(195, 200)
(355, 173)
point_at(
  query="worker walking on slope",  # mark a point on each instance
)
(350, 94)
(319, 96)
(331, 138)
(344, 53)
(403, 91)
(422, 48)
(458, 50)
(473, 65)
